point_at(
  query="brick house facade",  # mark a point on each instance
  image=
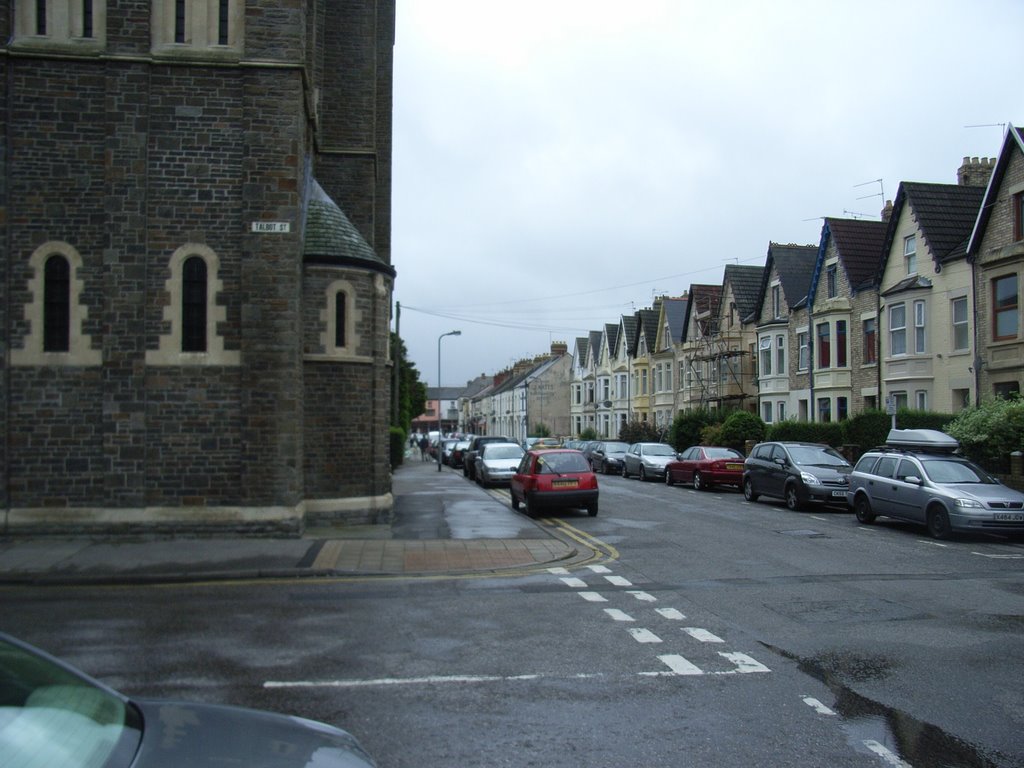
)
(197, 285)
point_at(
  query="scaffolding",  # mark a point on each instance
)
(718, 371)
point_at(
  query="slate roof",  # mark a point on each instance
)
(611, 330)
(675, 316)
(647, 320)
(583, 347)
(1014, 142)
(860, 245)
(794, 264)
(703, 299)
(629, 326)
(745, 280)
(945, 213)
(328, 233)
(595, 345)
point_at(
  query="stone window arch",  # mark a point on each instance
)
(56, 292)
(192, 312)
(198, 28)
(342, 317)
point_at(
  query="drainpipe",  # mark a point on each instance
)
(8, 173)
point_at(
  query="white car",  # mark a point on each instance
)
(497, 462)
(647, 460)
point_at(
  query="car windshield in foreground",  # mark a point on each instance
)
(953, 471)
(504, 452)
(562, 463)
(819, 457)
(51, 717)
(659, 450)
(722, 453)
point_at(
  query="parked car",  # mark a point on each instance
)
(546, 442)
(917, 477)
(554, 479)
(607, 457)
(799, 473)
(51, 714)
(497, 462)
(458, 451)
(706, 466)
(447, 446)
(647, 460)
(469, 457)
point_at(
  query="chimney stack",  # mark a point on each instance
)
(887, 211)
(559, 348)
(975, 171)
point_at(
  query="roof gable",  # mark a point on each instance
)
(1014, 142)
(745, 281)
(945, 215)
(793, 265)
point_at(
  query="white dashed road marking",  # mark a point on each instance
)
(817, 706)
(670, 613)
(618, 615)
(572, 581)
(593, 597)
(680, 666)
(744, 664)
(619, 581)
(887, 755)
(642, 596)
(644, 636)
(702, 634)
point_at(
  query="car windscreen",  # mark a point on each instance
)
(954, 471)
(659, 450)
(503, 452)
(615, 447)
(52, 717)
(819, 457)
(562, 463)
(722, 453)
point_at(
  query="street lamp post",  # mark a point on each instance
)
(440, 431)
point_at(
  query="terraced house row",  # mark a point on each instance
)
(921, 309)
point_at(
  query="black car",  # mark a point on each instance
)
(799, 473)
(607, 457)
(53, 715)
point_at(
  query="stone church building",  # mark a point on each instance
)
(195, 205)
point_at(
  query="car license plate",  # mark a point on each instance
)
(1009, 517)
(565, 483)
(734, 467)
(838, 494)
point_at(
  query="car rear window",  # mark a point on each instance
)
(503, 452)
(562, 463)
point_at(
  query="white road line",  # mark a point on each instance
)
(599, 568)
(386, 681)
(618, 615)
(592, 597)
(558, 571)
(999, 557)
(670, 613)
(744, 664)
(643, 596)
(886, 754)
(933, 543)
(572, 581)
(817, 706)
(680, 666)
(644, 636)
(816, 517)
(702, 634)
(619, 581)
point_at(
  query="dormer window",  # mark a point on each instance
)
(830, 281)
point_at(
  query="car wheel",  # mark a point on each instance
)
(862, 508)
(748, 490)
(698, 482)
(592, 509)
(625, 473)
(643, 474)
(938, 524)
(792, 500)
(515, 502)
(668, 477)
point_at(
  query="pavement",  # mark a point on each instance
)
(443, 524)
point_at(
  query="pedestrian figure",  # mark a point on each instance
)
(424, 445)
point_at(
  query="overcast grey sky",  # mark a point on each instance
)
(558, 163)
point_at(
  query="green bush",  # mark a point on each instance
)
(588, 434)
(540, 429)
(867, 429)
(396, 445)
(639, 432)
(828, 432)
(990, 432)
(740, 426)
(688, 428)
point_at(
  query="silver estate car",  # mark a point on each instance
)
(916, 477)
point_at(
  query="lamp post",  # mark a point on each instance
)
(440, 431)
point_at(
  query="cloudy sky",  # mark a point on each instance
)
(558, 163)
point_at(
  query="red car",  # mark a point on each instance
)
(706, 466)
(554, 479)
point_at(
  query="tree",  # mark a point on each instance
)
(412, 393)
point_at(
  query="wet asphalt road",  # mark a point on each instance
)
(720, 633)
